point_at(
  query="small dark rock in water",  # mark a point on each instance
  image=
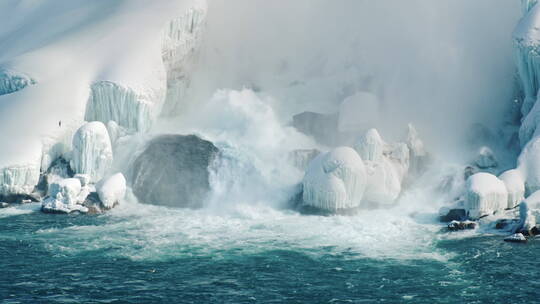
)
(465, 225)
(534, 231)
(4, 205)
(454, 215)
(506, 224)
(516, 238)
(20, 198)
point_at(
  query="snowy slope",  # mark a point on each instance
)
(66, 46)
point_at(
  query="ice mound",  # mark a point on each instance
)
(92, 151)
(111, 190)
(371, 146)
(110, 101)
(513, 180)
(484, 194)
(181, 45)
(11, 81)
(173, 171)
(335, 181)
(65, 196)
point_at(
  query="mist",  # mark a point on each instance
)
(441, 65)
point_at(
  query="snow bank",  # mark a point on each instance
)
(92, 151)
(484, 194)
(111, 190)
(181, 45)
(335, 181)
(11, 81)
(513, 180)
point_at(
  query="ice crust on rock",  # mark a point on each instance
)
(19, 179)
(110, 101)
(92, 151)
(65, 196)
(515, 185)
(11, 81)
(371, 146)
(111, 190)
(484, 195)
(335, 181)
(181, 45)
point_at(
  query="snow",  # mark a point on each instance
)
(111, 190)
(92, 151)
(11, 81)
(364, 103)
(484, 195)
(515, 185)
(335, 180)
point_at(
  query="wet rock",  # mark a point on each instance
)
(173, 171)
(516, 238)
(464, 225)
(449, 215)
(486, 158)
(506, 224)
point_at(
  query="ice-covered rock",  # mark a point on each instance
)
(301, 158)
(484, 194)
(11, 81)
(92, 151)
(83, 178)
(322, 127)
(173, 171)
(370, 147)
(335, 181)
(461, 225)
(515, 185)
(111, 190)
(110, 101)
(486, 158)
(65, 196)
(181, 45)
(365, 104)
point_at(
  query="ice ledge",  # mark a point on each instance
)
(11, 81)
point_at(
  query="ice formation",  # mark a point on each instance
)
(181, 45)
(335, 181)
(11, 81)
(484, 195)
(513, 180)
(419, 157)
(529, 165)
(111, 101)
(526, 5)
(527, 221)
(92, 151)
(19, 179)
(302, 157)
(486, 159)
(111, 190)
(65, 196)
(370, 146)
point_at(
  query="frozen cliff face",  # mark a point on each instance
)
(515, 185)
(181, 46)
(335, 181)
(111, 101)
(11, 81)
(484, 194)
(92, 151)
(173, 171)
(529, 165)
(111, 190)
(18, 179)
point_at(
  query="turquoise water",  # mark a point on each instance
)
(144, 254)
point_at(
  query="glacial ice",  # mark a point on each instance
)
(335, 181)
(11, 81)
(111, 190)
(181, 45)
(515, 185)
(110, 101)
(92, 151)
(485, 194)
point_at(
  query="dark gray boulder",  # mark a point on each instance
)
(173, 171)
